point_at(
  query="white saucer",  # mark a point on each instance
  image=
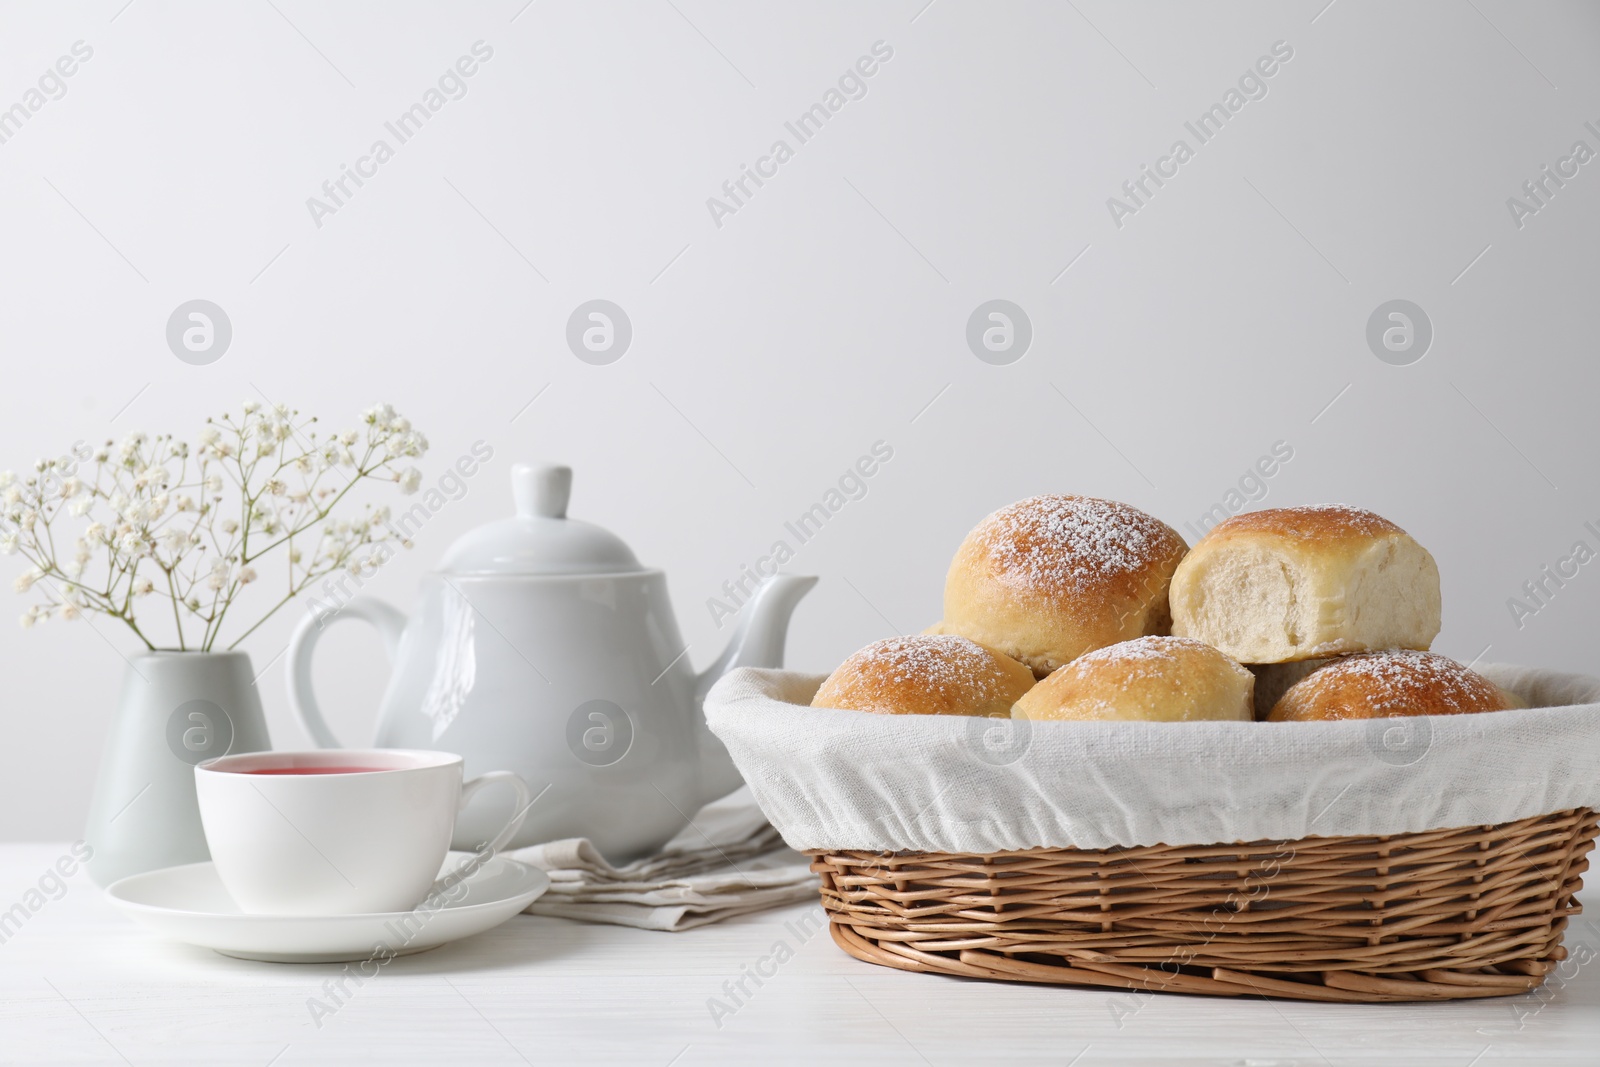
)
(188, 903)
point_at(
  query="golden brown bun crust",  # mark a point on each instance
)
(1292, 584)
(1049, 578)
(1326, 523)
(926, 675)
(1156, 679)
(1378, 685)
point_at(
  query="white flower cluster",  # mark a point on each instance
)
(162, 525)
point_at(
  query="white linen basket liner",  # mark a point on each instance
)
(840, 780)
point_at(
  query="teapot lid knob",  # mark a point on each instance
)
(539, 538)
(541, 491)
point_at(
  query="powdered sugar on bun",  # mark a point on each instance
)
(1072, 545)
(1144, 656)
(1159, 679)
(926, 675)
(1377, 685)
(1051, 577)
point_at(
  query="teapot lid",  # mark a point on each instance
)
(539, 538)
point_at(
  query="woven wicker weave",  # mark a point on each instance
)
(1472, 912)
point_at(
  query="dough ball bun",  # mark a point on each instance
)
(1381, 685)
(926, 675)
(1049, 578)
(1300, 583)
(1155, 679)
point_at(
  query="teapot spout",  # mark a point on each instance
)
(758, 642)
(763, 628)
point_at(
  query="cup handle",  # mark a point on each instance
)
(469, 789)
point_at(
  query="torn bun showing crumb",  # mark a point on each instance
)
(1300, 583)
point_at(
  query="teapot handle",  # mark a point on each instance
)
(302, 701)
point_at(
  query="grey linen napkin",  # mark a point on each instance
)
(728, 861)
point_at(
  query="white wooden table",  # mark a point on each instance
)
(81, 984)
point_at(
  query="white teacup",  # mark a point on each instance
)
(338, 831)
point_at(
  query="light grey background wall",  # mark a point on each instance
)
(774, 345)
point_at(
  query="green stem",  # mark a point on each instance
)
(177, 618)
(135, 628)
(235, 643)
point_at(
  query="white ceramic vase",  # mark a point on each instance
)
(177, 709)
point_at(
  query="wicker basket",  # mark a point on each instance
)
(1471, 912)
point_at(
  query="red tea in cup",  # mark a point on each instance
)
(314, 770)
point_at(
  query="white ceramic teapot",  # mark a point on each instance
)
(542, 646)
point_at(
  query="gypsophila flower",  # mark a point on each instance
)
(167, 521)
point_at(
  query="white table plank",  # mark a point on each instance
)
(81, 985)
